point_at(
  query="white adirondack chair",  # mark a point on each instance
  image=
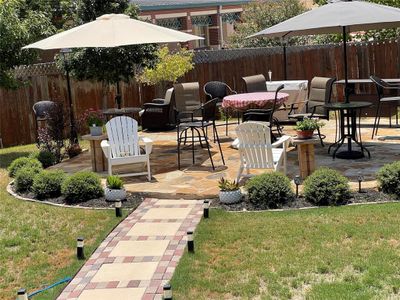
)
(123, 145)
(256, 150)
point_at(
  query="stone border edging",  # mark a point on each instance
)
(15, 195)
(310, 207)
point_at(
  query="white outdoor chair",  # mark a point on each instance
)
(256, 150)
(123, 145)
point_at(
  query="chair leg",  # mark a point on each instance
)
(239, 173)
(208, 149)
(376, 119)
(219, 144)
(320, 137)
(193, 145)
(148, 168)
(390, 115)
(178, 147)
(109, 168)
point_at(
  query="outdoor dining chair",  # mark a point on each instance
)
(255, 83)
(219, 89)
(381, 86)
(320, 93)
(266, 115)
(208, 116)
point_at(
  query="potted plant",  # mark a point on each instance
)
(114, 189)
(305, 128)
(95, 120)
(229, 191)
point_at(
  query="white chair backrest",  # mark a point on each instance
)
(168, 95)
(123, 136)
(255, 146)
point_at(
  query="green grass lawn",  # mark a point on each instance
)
(328, 253)
(38, 242)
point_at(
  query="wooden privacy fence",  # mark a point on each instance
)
(303, 62)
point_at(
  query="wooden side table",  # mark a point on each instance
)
(306, 155)
(99, 161)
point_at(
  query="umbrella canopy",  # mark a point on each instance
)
(112, 30)
(332, 17)
(337, 17)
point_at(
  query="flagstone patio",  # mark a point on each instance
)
(200, 181)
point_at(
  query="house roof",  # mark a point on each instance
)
(148, 5)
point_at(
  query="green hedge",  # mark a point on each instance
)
(47, 184)
(389, 178)
(269, 190)
(326, 187)
(22, 162)
(24, 178)
(82, 186)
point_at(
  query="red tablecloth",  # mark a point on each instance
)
(246, 101)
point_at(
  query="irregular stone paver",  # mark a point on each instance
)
(199, 181)
(140, 255)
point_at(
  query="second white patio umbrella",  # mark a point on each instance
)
(111, 30)
(337, 17)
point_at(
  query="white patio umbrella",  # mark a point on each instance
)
(110, 30)
(337, 17)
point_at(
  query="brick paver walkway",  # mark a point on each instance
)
(140, 255)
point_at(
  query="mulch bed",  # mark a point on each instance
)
(366, 196)
(132, 201)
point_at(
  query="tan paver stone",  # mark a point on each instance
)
(166, 213)
(154, 229)
(140, 248)
(175, 202)
(127, 271)
(116, 294)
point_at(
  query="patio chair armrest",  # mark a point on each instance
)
(154, 104)
(284, 140)
(158, 101)
(105, 146)
(148, 144)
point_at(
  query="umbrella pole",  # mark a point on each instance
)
(284, 62)
(73, 135)
(346, 84)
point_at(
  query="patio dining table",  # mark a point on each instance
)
(245, 101)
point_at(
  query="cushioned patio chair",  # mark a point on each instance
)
(159, 113)
(255, 83)
(320, 93)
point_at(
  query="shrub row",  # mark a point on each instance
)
(324, 187)
(29, 176)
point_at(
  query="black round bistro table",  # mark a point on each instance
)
(349, 121)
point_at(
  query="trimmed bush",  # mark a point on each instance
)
(46, 158)
(82, 186)
(22, 162)
(326, 187)
(389, 178)
(269, 190)
(47, 184)
(24, 178)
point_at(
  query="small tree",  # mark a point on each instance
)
(169, 66)
(261, 14)
(19, 26)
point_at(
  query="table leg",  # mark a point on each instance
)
(99, 162)
(306, 159)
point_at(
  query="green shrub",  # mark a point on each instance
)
(46, 158)
(24, 178)
(389, 178)
(326, 187)
(114, 182)
(47, 184)
(22, 162)
(82, 186)
(269, 190)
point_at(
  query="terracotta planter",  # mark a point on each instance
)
(114, 195)
(304, 134)
(229, 197)
(96, 130)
